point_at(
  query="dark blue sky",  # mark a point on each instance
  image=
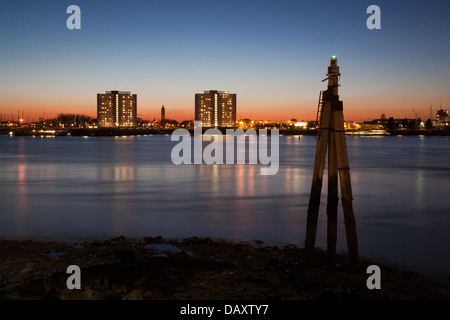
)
(273, 54)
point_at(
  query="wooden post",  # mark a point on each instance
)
(331, 136)
(332, 199)
(316, 186)
(346, 187)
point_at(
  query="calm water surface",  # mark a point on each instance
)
(75, 188)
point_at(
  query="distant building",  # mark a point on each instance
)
(442, 118)
(216, 108)
(163, 116)
(116, 109)
(377, 124)
(441, 115)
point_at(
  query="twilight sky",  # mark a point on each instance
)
(272, 54)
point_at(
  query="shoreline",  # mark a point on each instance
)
(111, 132)
(196, 269)
(439, 277)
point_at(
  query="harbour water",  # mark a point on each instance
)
(84, 188)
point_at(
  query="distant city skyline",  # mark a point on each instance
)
(272, 54)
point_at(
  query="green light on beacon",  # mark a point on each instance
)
(333, 57)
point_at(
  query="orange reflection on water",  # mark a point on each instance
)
(22, 170)
(245, 179)
(123, 173)
(22, 198)
(117, 173)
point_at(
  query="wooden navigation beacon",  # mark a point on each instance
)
(331, 136)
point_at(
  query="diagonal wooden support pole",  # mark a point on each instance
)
(346, 187)
(316, 186)
(332, 199)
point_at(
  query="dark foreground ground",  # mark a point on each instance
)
(194, 269)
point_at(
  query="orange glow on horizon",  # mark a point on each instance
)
(304, 111)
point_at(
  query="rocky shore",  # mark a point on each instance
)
(194, 269)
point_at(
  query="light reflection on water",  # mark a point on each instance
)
(83, 188)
